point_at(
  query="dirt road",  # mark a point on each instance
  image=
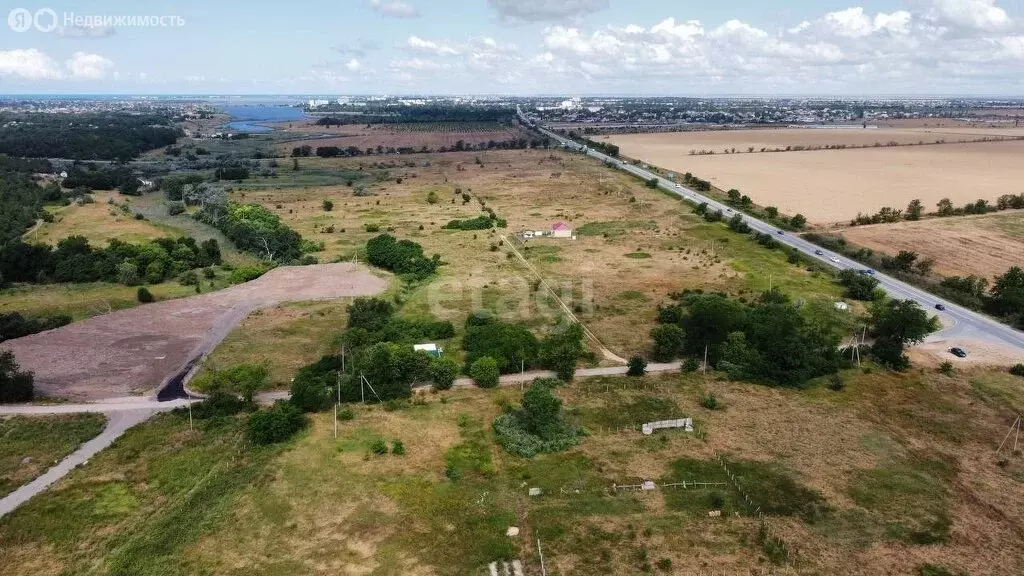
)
(135, 351)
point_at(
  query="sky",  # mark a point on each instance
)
(519, 47)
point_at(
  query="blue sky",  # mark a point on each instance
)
(519, 47)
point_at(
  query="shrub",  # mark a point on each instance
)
(245, 274)
(1017, 370)
(219, 405)
(143, 295)
(485, 372)
(372, 228)
(189, 278)
(379, 447)
(275, 424)
(443, 372)
(175, 208)
(835, 382)
(637, 366)
(398, 448)
(15, 385)
(327, 205)
(710, 401)
(432, 197)
(691, 364)
(946, 368)
(664, 564)
(209, 273)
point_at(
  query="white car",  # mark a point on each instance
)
(834, 259)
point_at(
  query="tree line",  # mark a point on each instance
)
(255, 229)
(402, 114)
(944, 208)
(93, 136)
(460, 146)
(75, 260)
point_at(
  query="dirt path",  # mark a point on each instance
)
(136, 351)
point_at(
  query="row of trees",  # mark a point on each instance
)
(459, 146)
(98, 136)
(14, 325)
(482, 222)
(604, 147)
(513, 347)
(93, 177)
(75, 260)
(255, 229)
(773, 341)
(402, 114)
(944, 208)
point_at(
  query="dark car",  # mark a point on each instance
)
(868, 271)
(779, 232)
(819, 252)
(958, 352)
(940, 307)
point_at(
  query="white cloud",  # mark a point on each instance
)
(90, 66)
(418, 44)
(417, 65)
(971, 14)
(29, 64)
(545, 10)
(394, 8)
(353, 65)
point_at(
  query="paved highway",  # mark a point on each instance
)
(959, 322)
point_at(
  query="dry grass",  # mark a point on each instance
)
(983, 245)
(614, 294)
(99, 223)
(364, 137)
(831, 186)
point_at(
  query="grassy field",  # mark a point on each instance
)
(983, 245)
(43, 440)
(634, 246)
(99, 223)
(284, 338)
(902, 485)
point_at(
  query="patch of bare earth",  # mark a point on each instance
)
(134, 351)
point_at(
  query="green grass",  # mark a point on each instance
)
(470, 459)
(622, 409)
(614, 228)
(136, 506)
(910, 498)
(638, 255)
(44, 439)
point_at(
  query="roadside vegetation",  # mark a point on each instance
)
(29, 445)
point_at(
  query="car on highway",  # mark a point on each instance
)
(834, 259)
(940, 307)
(868, 271)
(819, 252)
(779, 232)
(958, 352)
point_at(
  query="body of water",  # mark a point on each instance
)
(248, 118)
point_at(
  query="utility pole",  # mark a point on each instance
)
(543, 570)
(190, 429)
(705, 371)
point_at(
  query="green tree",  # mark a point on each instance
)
(945, 207)
(669, 342)
(914, 210)
(143, 295)
(637, 366)
(15, 385)
(370, 314)
(541, 412)
(275, 424)
(485, 372)
(327, 205)
(771, 211)
(128, 273)
(798, 221)
(1007, 293)
(560, 350)
(443, 372)
(897, 323)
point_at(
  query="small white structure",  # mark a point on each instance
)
(528, 234)
(842, 306)
(535, 492)
(431, 349)
(685, 423)
(561, 230)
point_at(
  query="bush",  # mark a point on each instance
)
(398, 448)
(443, 372)
(691, 364)
(219, 405)
(485, 372)
(14, 325)
(1017, 370)
(245, 274)
(946, 368)
(275, 424)
(379, 447)
(637, 366)
(664, 564)
(327, 205)
(175, 208)
(835, 383)
(15, 385)
(143, 295)
(710, 401)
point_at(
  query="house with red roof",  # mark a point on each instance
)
(561, 230)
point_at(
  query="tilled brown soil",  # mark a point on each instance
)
(135, 351)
